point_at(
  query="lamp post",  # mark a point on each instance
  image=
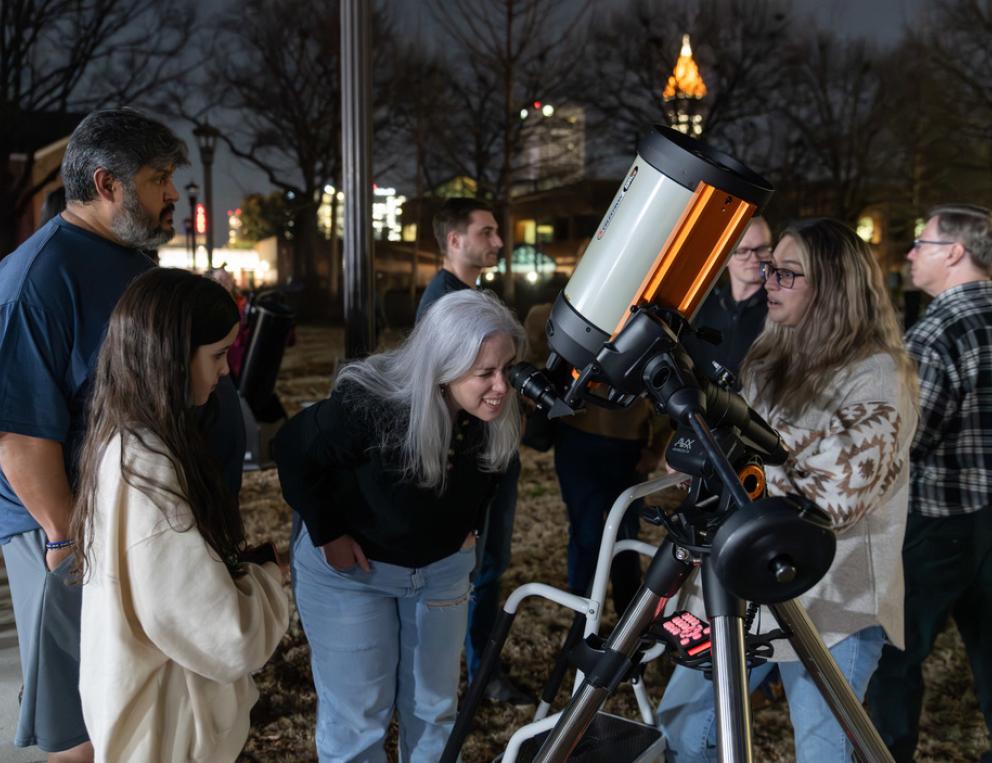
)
(192, 191)
(206, 138)
(356, 138)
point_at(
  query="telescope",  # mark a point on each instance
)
(615, 337)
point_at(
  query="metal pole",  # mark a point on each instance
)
(356, 120)
(834, 688)
(191, 190)
(730, 685)
(206, 137)
(208, 194)
(730, 689)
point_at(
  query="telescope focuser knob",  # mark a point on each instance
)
(783, 569)
(724, 376)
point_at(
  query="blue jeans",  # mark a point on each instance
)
(688, 720)
(486, 601)
(380, 641)
(592, 471)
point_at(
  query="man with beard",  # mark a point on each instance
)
(468, 237)
(57, 291)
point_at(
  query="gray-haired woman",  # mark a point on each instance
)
(389, 479)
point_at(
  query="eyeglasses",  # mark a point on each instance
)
(758, 251)
(917, 243)
(783, 277)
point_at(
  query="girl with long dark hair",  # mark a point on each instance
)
(173, 618)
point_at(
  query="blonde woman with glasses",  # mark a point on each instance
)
(831, 374)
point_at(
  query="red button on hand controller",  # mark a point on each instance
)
(686, 634)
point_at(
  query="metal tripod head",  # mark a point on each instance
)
(752, 548)
(777, 549)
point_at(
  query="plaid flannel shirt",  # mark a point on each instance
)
(951, 456)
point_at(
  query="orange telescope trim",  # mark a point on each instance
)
(752, 477)
(695, 251)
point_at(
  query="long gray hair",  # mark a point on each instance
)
(443, 347)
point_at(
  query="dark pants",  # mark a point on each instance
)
(948, 569)
(592, 471)
(485, 602)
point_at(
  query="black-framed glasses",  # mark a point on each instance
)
(783, 276)
(758, 251)
(918, 242)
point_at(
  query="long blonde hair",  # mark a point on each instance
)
(850, 317)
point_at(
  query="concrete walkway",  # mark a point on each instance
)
(10, 683)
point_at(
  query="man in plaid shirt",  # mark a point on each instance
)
(947, 554)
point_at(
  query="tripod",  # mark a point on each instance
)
(756, 544)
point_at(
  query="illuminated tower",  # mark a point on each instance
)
(684, 93)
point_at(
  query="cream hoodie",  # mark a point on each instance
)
(168, 636)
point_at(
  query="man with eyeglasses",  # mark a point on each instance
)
(738, 309)
(947, 553)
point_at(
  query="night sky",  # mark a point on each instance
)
(882, 21)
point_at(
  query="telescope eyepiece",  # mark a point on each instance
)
(534, 385)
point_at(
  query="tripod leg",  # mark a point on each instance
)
(836, 692)
(664, 577)
(730, 686)
(473, 698)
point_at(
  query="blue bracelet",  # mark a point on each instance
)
(53, 545)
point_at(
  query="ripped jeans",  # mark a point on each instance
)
(380, 641)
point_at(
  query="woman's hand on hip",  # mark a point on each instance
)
(344, 553)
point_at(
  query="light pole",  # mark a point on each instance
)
(206, 138)
(356, 139)
(192, 191)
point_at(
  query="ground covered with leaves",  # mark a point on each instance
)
(283, 720)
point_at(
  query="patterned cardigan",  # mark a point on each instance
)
(849, 454)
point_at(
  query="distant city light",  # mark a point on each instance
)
(200, 221)
(523, 113)
(866, 229)
(531, 276)
(387, 208)
(537, 104)
(548, 110)
(233, 226)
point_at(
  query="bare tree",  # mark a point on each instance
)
(836, 152)
(956, 45)
(275, 72)
(505, 54)
(275, 81)
(66, 56)
(422, 107)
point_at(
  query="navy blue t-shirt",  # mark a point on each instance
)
(57, 291)
(444, 282)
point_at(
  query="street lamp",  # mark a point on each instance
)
(206, 138)
(192, 191)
